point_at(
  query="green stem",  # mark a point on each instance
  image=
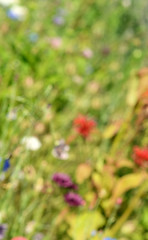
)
(133, 205)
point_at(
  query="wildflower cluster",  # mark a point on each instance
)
(63, 180)
(74, 120)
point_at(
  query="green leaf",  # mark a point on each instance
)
(124, 184)
(85, 223)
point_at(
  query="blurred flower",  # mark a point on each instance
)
(74, 199)
(93, 233)
(126, 3)
(6, 165)
(119, 201)
(39, 128)
(17, 13)
(33, 37)
(77, 79)
(109, 238)
(6, 3)
(128, 227)
(84, 126)
(29, 172)
(55, 42)
(31, 143)
(58, 20)
(93, 87)
(87, 53)
(105, 51)
(38, 236)
(2, 176)
(61, 150)
(62, 11)
(143, 72)
(29, 82)
(63, 180)
(19, 238)
(12, 115)
(3, 228)
(145, 94)
(39, 185)
(30, 227)
(140, 156)
(89, 69)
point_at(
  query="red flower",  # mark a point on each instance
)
(84, 126)
(19, 238)
(141, 156)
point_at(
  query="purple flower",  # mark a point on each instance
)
(3, 228)
(63, 180)
(74, 199)
(38, 236)
(58, 20)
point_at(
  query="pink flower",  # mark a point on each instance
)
(55, 42)
(87, 53)
(119, 201)
(19, 238)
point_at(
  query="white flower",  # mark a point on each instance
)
(6, 3)
(12, 115)
(31, 143)
(61, 150)
(30, 227)
(126, 3)
(17, 13)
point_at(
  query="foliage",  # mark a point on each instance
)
(74, 101)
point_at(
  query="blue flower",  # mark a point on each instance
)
(12, 15)
(93, 233)
(17, 13)
(109, 238)
(33, 37)
(6, 165)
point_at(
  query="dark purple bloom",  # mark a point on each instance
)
(74, 199)
(63, 180)
(3, 228)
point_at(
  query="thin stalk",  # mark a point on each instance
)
(133, 205)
